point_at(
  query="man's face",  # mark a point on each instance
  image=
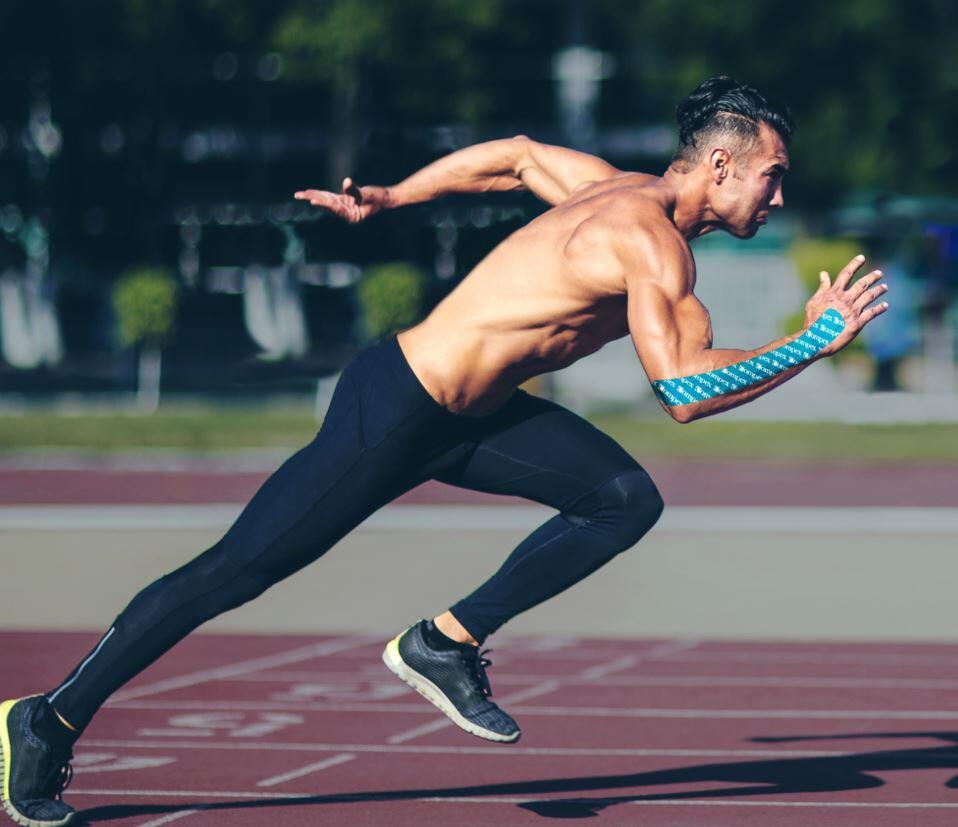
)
(752, 186)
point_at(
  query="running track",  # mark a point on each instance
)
(233, 730)
(682, 482)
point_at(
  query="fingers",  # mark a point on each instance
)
(320, 198)
(871, 313)
(334, 202)
(845, 274)
(866, 297)
(865, 282)
(350, 188)
(825, 281)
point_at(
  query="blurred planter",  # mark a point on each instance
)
(392, 297)
(145, 301)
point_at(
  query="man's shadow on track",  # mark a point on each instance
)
(778, 776)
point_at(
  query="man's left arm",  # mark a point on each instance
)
(551, 173)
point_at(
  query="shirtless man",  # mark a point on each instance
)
(440, 401)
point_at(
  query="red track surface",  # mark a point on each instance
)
(230, 730)
(682, 482)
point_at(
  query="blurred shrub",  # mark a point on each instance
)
(145, 301)
(811, 256)
(392, 298)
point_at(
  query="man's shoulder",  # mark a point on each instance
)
(652, 242)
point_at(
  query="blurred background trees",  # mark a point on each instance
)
(175, 132)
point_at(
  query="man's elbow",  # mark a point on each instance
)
(521, 146)
(683, 414)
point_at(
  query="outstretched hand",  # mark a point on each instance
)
(353, 204)
(855, 301)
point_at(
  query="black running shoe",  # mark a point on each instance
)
(452, 679)
(34, 774)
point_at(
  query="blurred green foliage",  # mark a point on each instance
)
(392, 297)
(811, 256)
(145, 302)
(872, 83)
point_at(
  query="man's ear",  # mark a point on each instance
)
(719, 164)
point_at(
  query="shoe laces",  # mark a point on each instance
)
(64, 777)
(59, 777)
(477, 663)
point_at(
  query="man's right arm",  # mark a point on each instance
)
(551, 173)
(672, 337)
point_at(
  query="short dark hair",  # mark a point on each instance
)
(721, 105)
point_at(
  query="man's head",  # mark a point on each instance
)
(734, 139)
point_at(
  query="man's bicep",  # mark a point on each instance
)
(668, 331)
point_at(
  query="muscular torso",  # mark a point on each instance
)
(551, 293)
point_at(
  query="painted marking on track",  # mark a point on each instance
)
(306, 798)
(820, 657)
(156, 822)
(496, 752)
(314, 650)
(357, 690)
(943, 684)
(922, 805)
(332, 761)
(485, 518)
(88, 762)
(236, 725)
(577, 712)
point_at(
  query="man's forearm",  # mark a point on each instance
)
(485, 167)
(724, 379)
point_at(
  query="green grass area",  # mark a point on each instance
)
(232, 428)
(796, 441)
(199, 430)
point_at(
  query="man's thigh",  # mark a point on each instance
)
(539, 450)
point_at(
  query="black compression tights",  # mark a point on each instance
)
(383, 435)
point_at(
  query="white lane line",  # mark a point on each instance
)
(663, 650)
(313, 650)
(332, 761)
(593, 673)
(874, 805)
(156, 822)
(243, 794)
(307, 797)
(820, 657)
(352, 678)
(496, 752)
(566, 711)
(679, 519)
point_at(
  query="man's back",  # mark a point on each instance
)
(552, 292)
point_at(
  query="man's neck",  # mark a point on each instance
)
(690, 210)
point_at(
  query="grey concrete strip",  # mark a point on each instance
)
(683, 520)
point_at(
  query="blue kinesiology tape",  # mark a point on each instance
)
(701, 386)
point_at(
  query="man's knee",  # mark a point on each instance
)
(632, 504)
